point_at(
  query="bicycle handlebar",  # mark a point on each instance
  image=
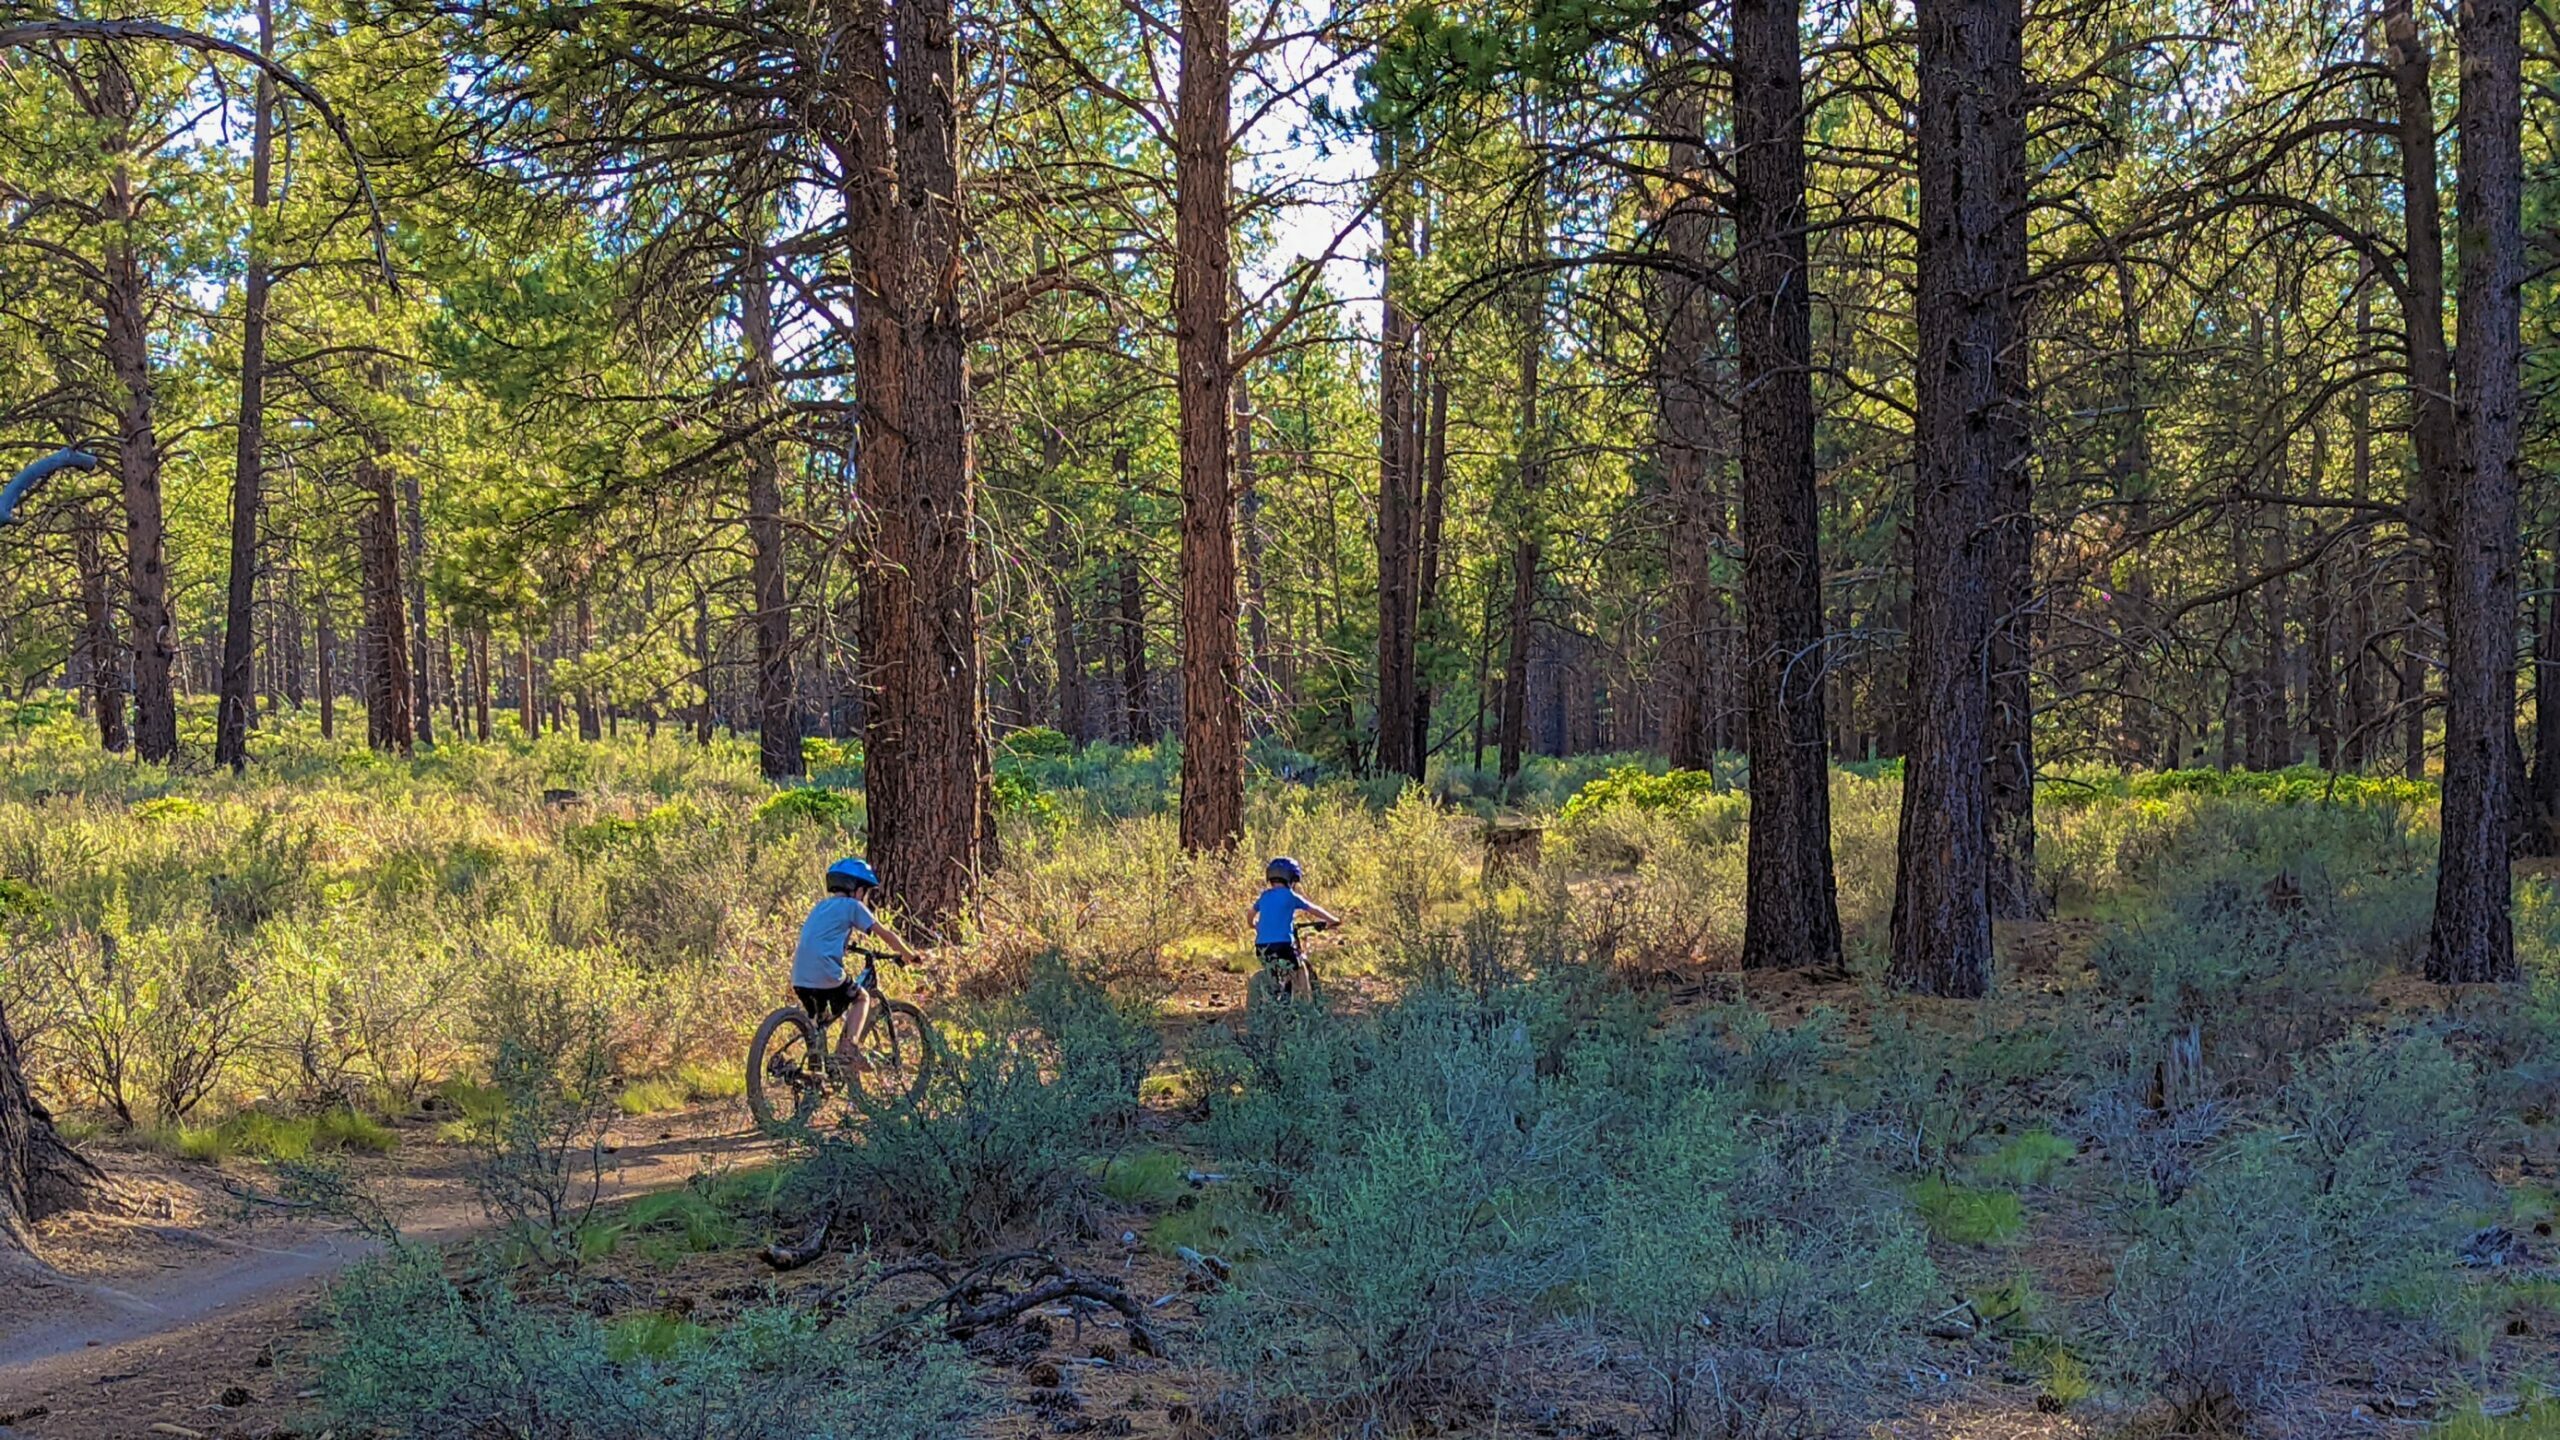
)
(15, 493)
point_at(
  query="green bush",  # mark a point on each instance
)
(1000, 1139)
(1038, 742)
(1966, 1216)
(2291, 1228)
(410, 1354)
(1717, 1254)
(1636, 788)
(1462, 1165)
(810, 804)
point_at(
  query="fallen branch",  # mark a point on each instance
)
(975, 1302)
(801, 1252)
(1142, 1339)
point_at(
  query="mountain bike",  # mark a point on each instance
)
(792, 1071)
(1268, 988)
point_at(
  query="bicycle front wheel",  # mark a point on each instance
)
(899, 1045)
(786, 1069)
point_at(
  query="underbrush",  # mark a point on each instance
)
(1022, 1095)
(416, 1354)
(1532, 1156)
(2200, 1157)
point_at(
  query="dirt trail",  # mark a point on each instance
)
(152, 1321)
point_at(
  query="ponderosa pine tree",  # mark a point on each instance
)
(2473, 937)
(239, 615)
(1212, 805)
(1971, 144)
(1791, 913)
(926, 768)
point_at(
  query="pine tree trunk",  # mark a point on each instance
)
(926, 764)
(239, 616)
(1431, 447)
(1212, 710)
(590, 720)
(480, 683)
(1399, 503)
(325, 641)
(529, 718)
(702, 664)
(2362, 680)
(1791, 916)
(413, 521)
(2011, 760)
(98, 637)
(40, 1175)
(152, 622)
(2413, 683)
(390, 719)
(1972, 159)
(2473, 939)
(1684, 383)
(777, 708)
(1138, 723)
(2431, 431)
(1513, 728)
(1070, 707)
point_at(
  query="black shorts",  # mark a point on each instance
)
(825, 1005)
(1282, 956)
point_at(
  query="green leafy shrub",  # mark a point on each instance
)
(411, 1354)
(1966, 1216)
(2027, 1159)
(1639, 789)
(1038, 742)
(811, 804)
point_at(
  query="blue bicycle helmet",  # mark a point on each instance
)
(850, 873)
(1283, 871)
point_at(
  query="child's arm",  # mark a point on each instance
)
(881, 932)
(1323, 916)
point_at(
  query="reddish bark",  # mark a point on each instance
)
(1212, 708)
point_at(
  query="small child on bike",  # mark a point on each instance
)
(817, 965)
(1275, 923)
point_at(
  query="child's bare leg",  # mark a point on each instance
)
(848, 1040)
(1300, 982)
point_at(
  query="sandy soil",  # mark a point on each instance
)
(176, 1316)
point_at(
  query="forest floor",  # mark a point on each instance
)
(197, 1316)
(176, 1314)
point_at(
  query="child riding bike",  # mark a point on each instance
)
(817, 964)
(1275, 918)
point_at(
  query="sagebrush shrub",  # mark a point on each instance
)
(2289, 1229)
(1001, 1137)
(411, 1354)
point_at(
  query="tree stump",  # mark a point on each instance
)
(1512, 845)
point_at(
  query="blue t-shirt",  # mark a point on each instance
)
(1274, 913)
(818, 963)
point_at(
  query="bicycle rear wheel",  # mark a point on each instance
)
(786, 1069)
(899, 1045)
